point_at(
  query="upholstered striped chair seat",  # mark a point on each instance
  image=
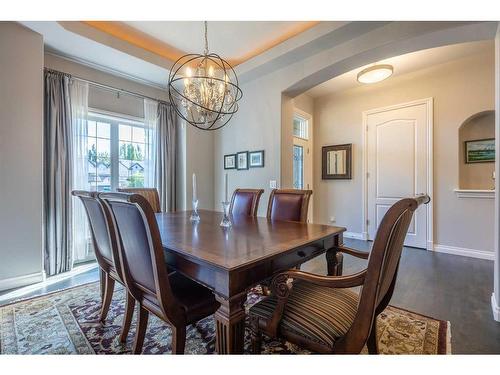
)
(318, 313)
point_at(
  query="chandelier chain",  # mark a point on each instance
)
(206, 38)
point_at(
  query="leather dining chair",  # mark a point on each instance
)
(172, 297)
(321, 313)
(151, 194)
(245, 202)
(106, 252)
(289, 205)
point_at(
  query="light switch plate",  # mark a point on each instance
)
(272, 184)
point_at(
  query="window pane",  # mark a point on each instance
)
(131, 173)
(138, 134)
(91, 128)
(298, 167)
(125, 133)
(103, 130)
(92, 158)
(300, 127)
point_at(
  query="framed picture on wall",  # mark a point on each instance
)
(337, 162)
(256, 159)
(242, 160)
(480, 151)
(230, 161)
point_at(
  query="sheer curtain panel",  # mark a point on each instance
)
(81, 245)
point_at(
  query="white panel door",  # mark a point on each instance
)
(397, 165)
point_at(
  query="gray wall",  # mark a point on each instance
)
(21, 108)
(195, 146)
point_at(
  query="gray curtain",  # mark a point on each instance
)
(57, 173)
(166, 157)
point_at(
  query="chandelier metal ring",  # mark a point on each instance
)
(204, 90)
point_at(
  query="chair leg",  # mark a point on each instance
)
(256, 336)
(108, 295)
(102, 282)
(127, 317)
(372, 339)
(142, 325)
(178, 339)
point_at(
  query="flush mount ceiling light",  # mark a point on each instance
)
(203, 89)
(375, 73)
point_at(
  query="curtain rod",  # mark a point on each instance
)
(107, 87)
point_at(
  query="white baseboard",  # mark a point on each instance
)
(472, 253)
(356, 236)
(19, 281)
(495, 308)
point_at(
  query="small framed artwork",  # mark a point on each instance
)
(242, 160)
(256, 159)
(480, 151)
(337, 162)
(230, 161)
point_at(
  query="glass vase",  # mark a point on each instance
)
(226, 221)
(195, 217)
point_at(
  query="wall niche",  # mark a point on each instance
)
(476, 175)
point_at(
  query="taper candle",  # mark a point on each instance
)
(225, 182)
(195, 195)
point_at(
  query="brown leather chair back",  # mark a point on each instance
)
(151, 194)
(383, 264)
(245, 202)
(289, 205)
(140, 249)
(103, 236)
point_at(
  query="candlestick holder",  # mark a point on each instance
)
(226, 221)
(194, 214)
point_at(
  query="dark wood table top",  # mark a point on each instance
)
(250, 240)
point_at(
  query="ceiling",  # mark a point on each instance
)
(405, 64)
(145, 50)
(86, 51)
(236, 41)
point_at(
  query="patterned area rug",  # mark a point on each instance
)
(66, 322)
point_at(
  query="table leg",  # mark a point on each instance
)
(334, 262)
(335, 259)
(230, 324)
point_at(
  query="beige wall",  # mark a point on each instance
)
(258, 123)
(476, 175)
(460, 89)
(21, 108)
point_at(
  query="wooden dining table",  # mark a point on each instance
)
(230, 261)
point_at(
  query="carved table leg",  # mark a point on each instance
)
(230, 324)
(335, 259)
(334, 262)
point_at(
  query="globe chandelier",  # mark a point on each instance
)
(203, 89)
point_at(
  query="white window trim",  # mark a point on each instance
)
(114, 119)
(304, 116)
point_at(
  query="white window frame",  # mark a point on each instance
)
(305, 118)
(114, 119)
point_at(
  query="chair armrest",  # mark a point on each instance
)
(353, 252)
(347, 281)
(281, 287)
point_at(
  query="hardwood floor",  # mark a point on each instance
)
(443, 286)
